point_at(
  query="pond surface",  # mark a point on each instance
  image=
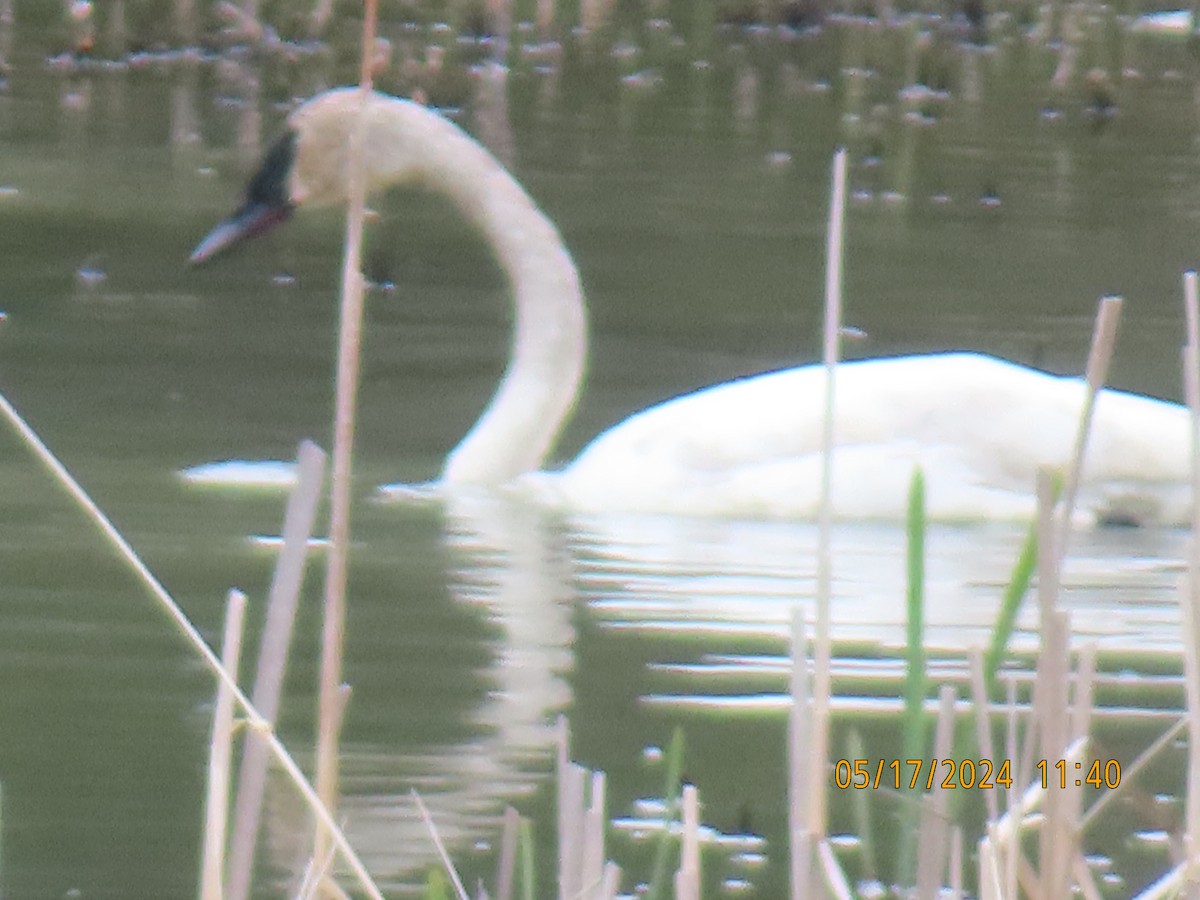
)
(988, 214)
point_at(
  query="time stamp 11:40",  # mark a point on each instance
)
(968, 774)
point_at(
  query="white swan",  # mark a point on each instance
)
(980, 427)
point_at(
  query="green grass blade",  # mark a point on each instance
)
(1010, 605)
(916, 677)
(661, 880)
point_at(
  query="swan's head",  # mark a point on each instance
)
(267, 202)
(308, 166)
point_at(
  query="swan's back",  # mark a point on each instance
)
(979, 427)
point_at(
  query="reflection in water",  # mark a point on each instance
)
(716, 583)
(507, 564)
(709, 577)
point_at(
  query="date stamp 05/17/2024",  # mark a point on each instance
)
(970, 774)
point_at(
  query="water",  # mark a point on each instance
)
(693, 199)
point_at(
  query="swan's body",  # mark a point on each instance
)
(979, 427)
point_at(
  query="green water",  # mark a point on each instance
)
(695, 209)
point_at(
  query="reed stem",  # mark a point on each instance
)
(255, 719)
(212, 869)
(283, 598)
(1190, 600)
(349, 344)
(819, 749)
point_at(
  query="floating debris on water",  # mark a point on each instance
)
(89, 274)
(851, 333)
(1176, 21)
(989, 199)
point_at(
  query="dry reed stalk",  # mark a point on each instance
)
(1104, 337)
(216, 803)
(931, 855)
(331, 887)
(799, 735)
(1057, 838)
(956, 863)
(1028, 880)
(572, 794)
(835, 879)
(545, 16)
(1191, 599)
(1130, 772)
(1067, 848)
(1002, 839)
(1168, 887)
(283, 598)
(823, 649)
(1083, 879)
(1006, 829)
(349, 344)
(1084, 681)
(570, 778)
(1050, 692)
(506, 863)
(592, 855)
(983, 725)
(447, 864)
(1059, 830)
(254, 718)
(990, 887)
(316, 872)
(611, 882)
(500, 17)
(1007, 855)
(687, 877)
(1010, 730)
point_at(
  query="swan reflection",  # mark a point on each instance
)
(506, 562)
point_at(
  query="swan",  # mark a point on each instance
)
(979, 426)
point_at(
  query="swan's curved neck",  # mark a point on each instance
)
(549, 344)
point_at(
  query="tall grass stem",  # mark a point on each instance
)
(349, 344)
